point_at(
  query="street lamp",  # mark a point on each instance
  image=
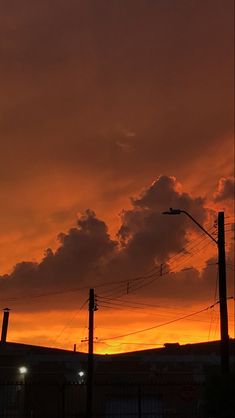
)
(81, 376)
(81, 373)
(23, 370)
(220, 242)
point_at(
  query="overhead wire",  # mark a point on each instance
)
(150, 276)
(68, 324)
(84, 328)
(112, 305)
(214, 299)
(192, 254)
(191, 246)
(119, 305)
(159, 325)
(124, 305)
(155, 273)
(132, 302)
(140, 286)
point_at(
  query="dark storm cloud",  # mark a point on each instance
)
(80, 254)
(190, 285)
(146, 233)
(225, 190)
(78, 73)
(87, 256)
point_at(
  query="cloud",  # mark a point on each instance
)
(72, 74)
(225, 189)
(190, 285)
(109, 93)
(80, 255)
(147, 235)
(88, 256)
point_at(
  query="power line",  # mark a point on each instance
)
(118, 305)
(214, 299)
(114, 303)
(133, 302)
(147, 276)
(84, 328)
(111, 305)
(190, 255)
(160, 325)
(70, 321)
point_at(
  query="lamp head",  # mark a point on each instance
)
(81, 373)
(23, 370)
(172, 212)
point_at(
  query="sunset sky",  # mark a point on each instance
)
(112, 111)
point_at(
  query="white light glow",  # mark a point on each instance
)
(23, 370)
(81, 373)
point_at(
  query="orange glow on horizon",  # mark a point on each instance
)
(64, 328)
(106, 125)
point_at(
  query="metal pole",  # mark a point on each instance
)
(90, 355)
(220, 242)
(223, 296)
(5, 324)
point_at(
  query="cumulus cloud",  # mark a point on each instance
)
(225, 189)
(89, 95)
(149, 237)
(88, 256)
(189, 285)
(80, 255)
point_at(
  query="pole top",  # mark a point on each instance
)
(6, 309)
(172, 212)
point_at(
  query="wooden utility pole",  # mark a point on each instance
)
(90, 367)
(223, 296)
(220, 242)
(6, 312)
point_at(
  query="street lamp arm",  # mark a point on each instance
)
(179, 211)
(201, 227)
(224, 336)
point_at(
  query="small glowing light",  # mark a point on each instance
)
(23, 370)
(81, 373)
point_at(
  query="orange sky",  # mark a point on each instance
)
(99, 100)
(65, 328)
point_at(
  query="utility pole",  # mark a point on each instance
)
(220, 242)
(5, 324)
(223, 297)
(90, 369)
